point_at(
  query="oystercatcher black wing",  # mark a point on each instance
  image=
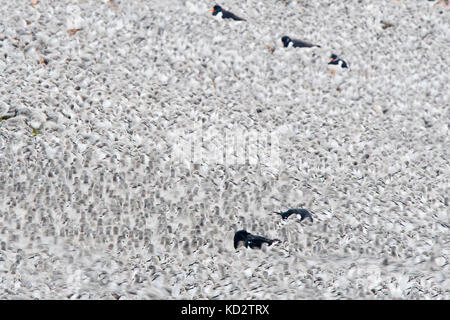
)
(296, 43)
(257, 241)
(303, 44)
(230, 15)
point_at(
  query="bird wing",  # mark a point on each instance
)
(230, 15)
(257, 241)
(286, 214)
(302, 44)
(304, 214)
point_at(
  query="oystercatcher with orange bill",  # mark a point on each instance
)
(217, 11)
(336, 64)
(287, 41)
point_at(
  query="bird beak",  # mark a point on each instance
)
(331, 59)
(211, 10)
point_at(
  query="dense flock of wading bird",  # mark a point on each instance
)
(242, 237)
(334, 65)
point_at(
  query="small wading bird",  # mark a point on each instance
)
(296, 43)
(302, 212)
(336, 64)
(225, 14)
(250, 240)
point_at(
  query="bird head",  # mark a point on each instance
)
(240, 236)
(216, 9)
(285, 40)
(333, 57)
(242, 233)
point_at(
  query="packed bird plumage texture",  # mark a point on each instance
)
(99, 200)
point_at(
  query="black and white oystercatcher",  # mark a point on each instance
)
(336, 64)
(251, 240)
(225, 14)
(302, 212)
(296, 43)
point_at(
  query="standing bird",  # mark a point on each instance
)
(302, 212)
(296, 43)
(251, 240)
(225, 14)
(336, 64)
